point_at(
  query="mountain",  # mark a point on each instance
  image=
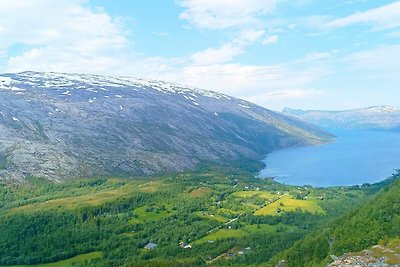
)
(376, 117)
(57, 125)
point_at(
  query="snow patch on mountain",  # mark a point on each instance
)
(381, 109)
(93, 83)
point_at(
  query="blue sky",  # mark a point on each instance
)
(300, 53)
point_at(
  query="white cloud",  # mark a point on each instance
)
(270, 40)
(68, 36)
(242, 80)
(312, 21)
(227, 52)
(59, 35)
(233, 78)
(316, 56)
(52, 58)
(382, 60)
(251, 35)
(222, 54)
(221, 14)
(277, 99)
(382, 18)
(394, 34)
(284, 94)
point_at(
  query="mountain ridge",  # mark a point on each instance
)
(381, 117)
(58, 125)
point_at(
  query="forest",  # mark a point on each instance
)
(217, 216)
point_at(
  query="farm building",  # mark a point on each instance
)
(150, 246)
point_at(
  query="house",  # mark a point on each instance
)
(150, 246)
(184, 245)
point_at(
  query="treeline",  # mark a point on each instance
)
(52, 235)
(47, 237)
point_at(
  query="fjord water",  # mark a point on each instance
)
(354, 157)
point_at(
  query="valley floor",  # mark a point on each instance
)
(218, 216)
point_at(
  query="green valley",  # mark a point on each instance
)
(217, 216)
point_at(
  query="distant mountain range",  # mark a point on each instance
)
(376, 117)
(56, 125)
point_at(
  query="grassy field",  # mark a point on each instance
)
(144, 215)
(243, 231)
(287, 203)
(150, 187)
(70, 202)
(80, 259)
(210, 216)
(262, 194)
(265, 228)
(107, 193)
(222, 234)
(199, 192)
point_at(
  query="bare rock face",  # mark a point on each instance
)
(56, 126)
(362, 260)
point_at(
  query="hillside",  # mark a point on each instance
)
(56, 125)
(374, 223)
(227, 216)
(374, 118)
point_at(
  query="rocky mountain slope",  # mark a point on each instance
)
(376, 117)
(56, 125)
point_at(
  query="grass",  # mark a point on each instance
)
(209, 216)
(222, 234)
(150, 187)
(199, 192)
(251, 193)
(264, 228)
(286, 204)
(243, 231)
(76, 199)
(223, 186)
(389, 249)
(71, 202)
(250, 206)
(144, 216)
(227, 212)
(77, 260)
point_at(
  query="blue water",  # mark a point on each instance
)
(355, 157)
